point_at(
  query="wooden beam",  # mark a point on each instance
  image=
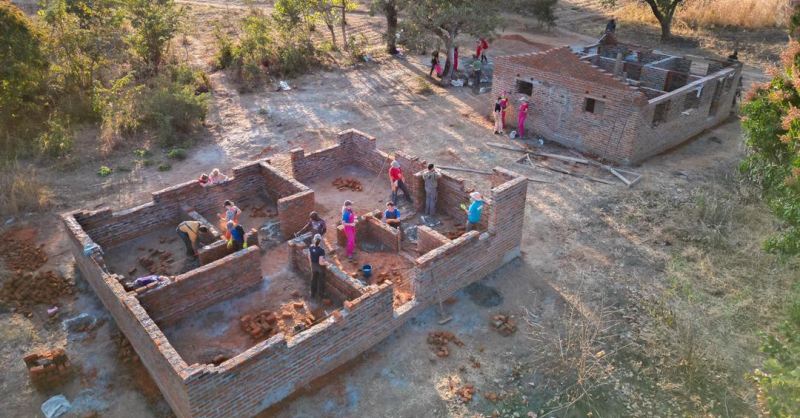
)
(619, 176)
(508, 147)
(562, 157)
(471, 170)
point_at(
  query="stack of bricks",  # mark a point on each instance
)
(503, 325)
(26, 289)
(260, 325)
(48, 369)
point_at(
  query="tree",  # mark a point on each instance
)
(449, 18)
(346, 5)
(390, 9)
(542, 10)
(23, 70)
(663, 10)
(155, 23)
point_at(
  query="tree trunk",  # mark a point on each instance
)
(333, 33)
(391, 27)
(666, 27)
(447, 75)
(344, 22)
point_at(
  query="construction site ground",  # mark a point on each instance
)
(649, 299)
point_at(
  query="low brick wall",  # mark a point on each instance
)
(428, 239)
(337, 283)
(203, 287)
(293, 212)
(383, 233)
(219, 249)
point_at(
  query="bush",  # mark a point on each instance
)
(164, 167)
(224, 56)
(56, 141)
(357, 48)
(175, 110)
(104, 171)
(177, 153)
(119, 107)
(141, 153)
(21, 190)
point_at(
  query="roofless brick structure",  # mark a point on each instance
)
(622, 102)
(269, 370)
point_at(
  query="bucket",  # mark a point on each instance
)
(366, 270)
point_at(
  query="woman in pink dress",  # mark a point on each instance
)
(523, 113)
(349, 221)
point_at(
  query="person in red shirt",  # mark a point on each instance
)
(396, 178)
(484, 45)
(479, 51)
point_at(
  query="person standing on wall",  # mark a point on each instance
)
(349, 222)
(236, 242)
(316, 256)
(523, 113)
(398, 182)
(431, 179)
(392, 215)
(503, 105)
(474, 211)
(189, 232)
(316, 224)
(498, 108)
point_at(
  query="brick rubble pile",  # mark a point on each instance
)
(49, 368)
(348, 183)
(438, 341)
(22, 255)
(503, 325)
(24, 290)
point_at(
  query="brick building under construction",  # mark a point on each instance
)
(621, 102)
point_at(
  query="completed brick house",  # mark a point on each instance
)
(654, 102)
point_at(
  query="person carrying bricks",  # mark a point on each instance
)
(236, 241)
(316, 224)
(316, 256)
(392, 215)
(189, 232)
(398, 182)
(474, 211)
(523, 113)
(431, 179)
(349, 222)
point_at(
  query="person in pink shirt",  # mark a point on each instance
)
(523, 113)
(349, 222)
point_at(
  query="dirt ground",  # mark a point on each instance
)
(630, 302)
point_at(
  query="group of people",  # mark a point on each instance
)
(501, 106)
(478, 59)
(191, 232)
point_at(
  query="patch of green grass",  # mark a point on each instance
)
(104, 171)
(148, 162)
(164, 167)
(141, 153)
(177, 153)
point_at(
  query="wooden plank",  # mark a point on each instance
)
(619, 176)
(596, 179)
(508, 147)
(560, 170)
(471, 170)
(633, 173)
(638, 179)
(562, 157)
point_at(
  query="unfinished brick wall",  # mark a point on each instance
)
(383, 233)
(429, 239)
(339, 284)
(624, 130)
(203, 287)
(271, 370)
(219, 249)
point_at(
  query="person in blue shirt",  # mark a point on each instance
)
(392, 215)
(474, 210)
(237, 236)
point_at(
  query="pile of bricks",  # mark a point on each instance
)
(156, 262)
(438, 341)
(503, 325)
(295, 317)
(260, 212)
(49, 368)
(465, 393)
(126, 353)
(260, 325)
(492, 396)
(22, 255)
(26, 289)
(348, 183)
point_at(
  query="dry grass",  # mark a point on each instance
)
(748, 14)
(21, 190)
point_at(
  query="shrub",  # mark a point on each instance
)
(173, 110)
(119, 107)
(177, 153)
(141, 153)
(21, 190)
(224, 56)
(423, 87)
(56, 140)
(164, 167)
(357, 47)
(104, 171)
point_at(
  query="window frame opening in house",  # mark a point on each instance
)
(524, 87)
(594, 106)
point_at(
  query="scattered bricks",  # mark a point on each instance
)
(326, 302)
(298, 305)
(48, 369)
(348, 183)
(438, 341)
(125, 351)
(465, 393)
(21, 254)
(24, 290)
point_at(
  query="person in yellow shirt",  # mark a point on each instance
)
(189, 232)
